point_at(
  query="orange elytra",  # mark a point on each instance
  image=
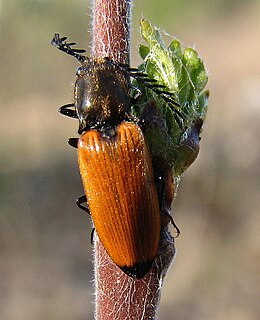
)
(115, 163)
(118, 180)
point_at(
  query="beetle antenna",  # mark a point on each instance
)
(159, 89)
(153, 85)
(62, 45)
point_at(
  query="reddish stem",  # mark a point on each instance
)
(111, 29)
(119, 296)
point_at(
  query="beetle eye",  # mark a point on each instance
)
(80, 72)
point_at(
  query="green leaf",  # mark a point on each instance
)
(182, 72)
(175, 48)
(143, 51)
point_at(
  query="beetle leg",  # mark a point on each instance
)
(166, 212)
(80, 200)
(73, 142)
(68, 110)
(92, 236)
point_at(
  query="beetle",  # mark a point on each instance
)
(114, 160)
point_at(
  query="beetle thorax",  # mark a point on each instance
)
(101, 94)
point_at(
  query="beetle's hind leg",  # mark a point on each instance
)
(80, 200)
(178, 231)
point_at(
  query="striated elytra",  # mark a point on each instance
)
(118, 180)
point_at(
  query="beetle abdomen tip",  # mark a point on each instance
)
(138, 270)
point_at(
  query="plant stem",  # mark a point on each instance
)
(111, 29)
(118, 296)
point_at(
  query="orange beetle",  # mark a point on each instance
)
(115, 163)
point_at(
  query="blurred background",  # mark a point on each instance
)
(45, 251)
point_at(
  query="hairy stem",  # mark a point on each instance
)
(111, 29)
(118, 296)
